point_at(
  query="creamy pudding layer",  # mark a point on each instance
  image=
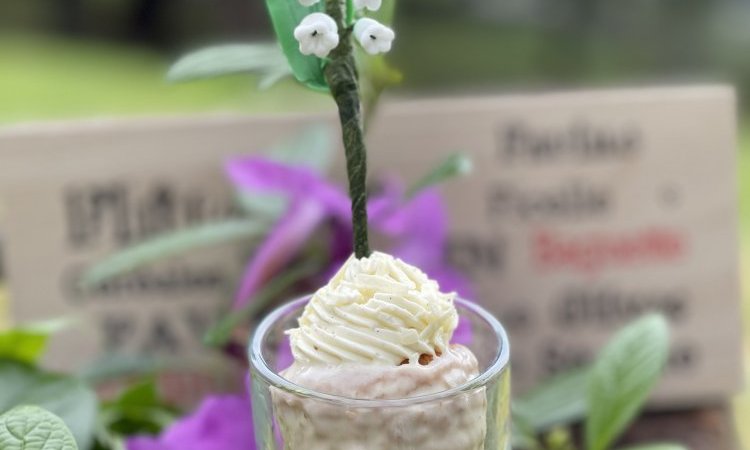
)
(456, 423)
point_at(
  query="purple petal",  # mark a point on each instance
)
(419, 225)
(219, 423)
(463, 334)
(284, 356)
(450, 279)
(258, 174)
(145, 443)
(288, 235)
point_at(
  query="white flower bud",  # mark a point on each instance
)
(372, 5)
(373, 36)
(317, 35)
(308, 2)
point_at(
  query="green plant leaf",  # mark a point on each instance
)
(221, 333)
(114, 366)
(523, 433)
(312, 147)
(622, 377)
(656, 447)
(266, 59)
(285, 16)
(33, 428)
(172, 244)
(22, 345)
(138, 410)
(28, 343)
(67, 397)
(560, 400)
(454, 165)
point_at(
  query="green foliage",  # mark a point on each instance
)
(33, 428)
(656, 447)
(114, 366)
(221, 332)
(69, 398)
(22, 345)
(27, 344)
(312, 147)
(172, 244)
(559, 401)
(285, 16)
(138, 410)
(622, 378)
(608, 395)
(454, 165)
(265, 59)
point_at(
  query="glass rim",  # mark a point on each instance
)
(260, 367)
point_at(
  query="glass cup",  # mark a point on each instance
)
(473, 416)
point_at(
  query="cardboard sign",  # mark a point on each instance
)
(585, 210)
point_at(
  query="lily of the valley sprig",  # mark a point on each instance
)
(318, 32)
(316, 41)
(328, 34)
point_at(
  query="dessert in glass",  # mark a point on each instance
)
(374, 367)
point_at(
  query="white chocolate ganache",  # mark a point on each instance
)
(380, 330)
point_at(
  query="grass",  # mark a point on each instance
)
(43, 78)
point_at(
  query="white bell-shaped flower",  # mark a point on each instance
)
(373, 36)
(317, 35)
(308, 2)
(372, 5)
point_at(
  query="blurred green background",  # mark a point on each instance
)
(67, 59)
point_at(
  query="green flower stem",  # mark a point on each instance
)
(341, 75)
(349, 12)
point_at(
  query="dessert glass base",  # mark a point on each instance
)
(407, 407)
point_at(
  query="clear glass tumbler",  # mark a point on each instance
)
(473, 416)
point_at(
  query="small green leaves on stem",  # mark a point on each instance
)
(285, 16)
(342, 77)
(172, 244)
(622, 378)
(265, 59)
(455, 165)
(221, 333)
(33, 428)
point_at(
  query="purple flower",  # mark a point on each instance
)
(311, 201)
(219, 423)
(416, 227)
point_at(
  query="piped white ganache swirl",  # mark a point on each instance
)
(376, 310)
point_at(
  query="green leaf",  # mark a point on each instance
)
(114, 366)
(172, 244)
(285, 16)
(138, 410)
(67, 397)
(524, 435)
(454, 165)
(33, 428)
(22, 345)
(28, 343)
(656, 447)
(312, 147)
(221, 333)
(558, 401)
(622, 378)
(266, 59)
